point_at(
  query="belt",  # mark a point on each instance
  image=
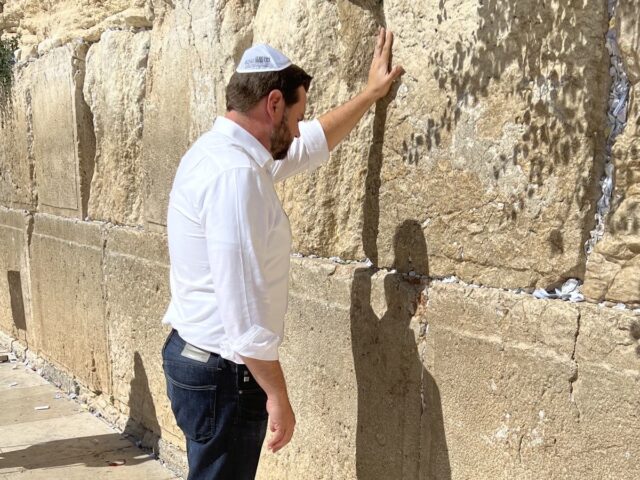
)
(200, 355)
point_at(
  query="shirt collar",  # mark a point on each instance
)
(244, 139)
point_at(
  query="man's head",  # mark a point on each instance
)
(266, 80)
(245, 90)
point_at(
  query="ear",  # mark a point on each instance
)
(275, 105)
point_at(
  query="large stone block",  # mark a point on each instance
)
(15, 301)
(389, 375)
(63, 138)
(388, 381)
(68, 298)
(114, 89)
(504, 127)
(333, 42)
(531, 387)
(353, 373)
(137, 290)
(628, 29)
(16, 158)
(490, 143)
(317, 361)
(165, 137)
(501, 367)
(194, 47)
(607, 394)
(613, 270)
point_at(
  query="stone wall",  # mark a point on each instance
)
(613, 271)
(477, 181)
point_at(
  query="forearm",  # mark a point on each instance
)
(269, 375)
(338, 122)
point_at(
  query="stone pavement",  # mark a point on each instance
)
(63, 441)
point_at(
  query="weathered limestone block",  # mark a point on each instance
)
(15, 301)
(63, 138)
(65, 20)
(531, 387)
(68, 298)
(137, 290)
(132, 19)
(114, 89)
(333, 42)
(194, 48)
(628, 29)
(490, 142)
(494, 136)
(16, 158)
(389, 375)
(317, 360)
(607, 394)
(354, 374)
(613, 270)
(501, 367)
(166, 111)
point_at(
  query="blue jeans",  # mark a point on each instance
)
(220, 408)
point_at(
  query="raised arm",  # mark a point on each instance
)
(338, 122)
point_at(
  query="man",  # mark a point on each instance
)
(229, 244)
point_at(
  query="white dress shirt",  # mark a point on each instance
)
(230, 240)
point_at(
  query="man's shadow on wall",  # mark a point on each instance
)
(400, 430)
(142, 426)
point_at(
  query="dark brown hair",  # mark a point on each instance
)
(245, 90)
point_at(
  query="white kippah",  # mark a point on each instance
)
(262, 58)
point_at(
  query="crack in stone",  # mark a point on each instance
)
(519, 452)
(574, 375)
(30, 225)
(616, 121)
(104, 231)
(33, 184)
(86, 133)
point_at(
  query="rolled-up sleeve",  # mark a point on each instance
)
(306, 153)
(236, 222)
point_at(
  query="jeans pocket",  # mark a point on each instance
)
(192, 392)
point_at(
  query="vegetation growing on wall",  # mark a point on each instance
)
(7, 47)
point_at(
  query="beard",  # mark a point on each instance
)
(281, 140)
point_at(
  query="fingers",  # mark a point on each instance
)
(397, 72)
(379, 42)
(388, 44)
(280, 439)
(281, 444)
(276, 439)
(381, 72)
